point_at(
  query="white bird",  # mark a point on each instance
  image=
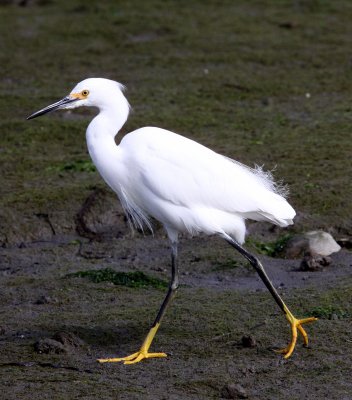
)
(184, 185)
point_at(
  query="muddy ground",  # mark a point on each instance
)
(215, 308)
(264, 82)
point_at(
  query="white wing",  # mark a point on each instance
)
(169, 171)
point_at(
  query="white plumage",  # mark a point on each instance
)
(184, 185)
(192, 189)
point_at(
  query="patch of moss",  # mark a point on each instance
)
(76, 166)
(131, 279)
(329, 312)
(271, 249)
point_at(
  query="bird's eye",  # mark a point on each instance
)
(85, 93)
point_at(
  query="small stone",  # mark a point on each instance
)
(49, 346)
(68, 339)
(233, 391)
(46, 300)
(288, 24)
(61, 342)
(248, 341)
(314, 262)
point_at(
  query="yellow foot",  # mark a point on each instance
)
(296, 324)
(133, 358)
(141, 354)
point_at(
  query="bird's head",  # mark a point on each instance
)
(94, 92)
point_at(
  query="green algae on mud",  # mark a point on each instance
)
(329, 312)
(201, 334)
(271, 249)
(135, 279)
(76, 165)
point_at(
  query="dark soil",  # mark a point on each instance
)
(206, 332)
(263, 82)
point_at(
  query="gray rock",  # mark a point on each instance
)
(322, 243)
(311, 243)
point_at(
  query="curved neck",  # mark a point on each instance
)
(112, 115)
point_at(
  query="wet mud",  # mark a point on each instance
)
(262, 82)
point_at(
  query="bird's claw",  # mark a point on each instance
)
(296, 325)
(142, 353)
(133, 358)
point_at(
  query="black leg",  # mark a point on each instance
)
(296, 324)
(172, 286)
(144, 350)
(260, 269)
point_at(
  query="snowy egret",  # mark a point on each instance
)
(184, 185)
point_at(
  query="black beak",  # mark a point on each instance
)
(53, 107)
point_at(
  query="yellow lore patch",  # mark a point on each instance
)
(81, 96)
